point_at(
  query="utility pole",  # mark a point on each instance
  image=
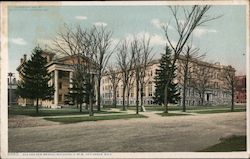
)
(10, 74)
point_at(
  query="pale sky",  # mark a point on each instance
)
(223, 40)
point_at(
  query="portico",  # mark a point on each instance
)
(62, 79)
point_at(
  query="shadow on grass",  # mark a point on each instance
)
(233, 143)
(30, 111)
(68, 120)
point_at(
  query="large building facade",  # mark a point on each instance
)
(215, 92)
(61, 70)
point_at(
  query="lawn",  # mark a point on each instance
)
(195, 109)
(172, 114)
(68, 120)
(30, 111)
(211, 111)
(233, 143)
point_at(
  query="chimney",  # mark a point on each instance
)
(21, 61)
(24, 57)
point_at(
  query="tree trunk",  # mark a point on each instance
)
(91, 113)
(123, 98)
(232, 100)
(98, 94)
(80, 107)
(114, 98)
(90, 106)
(77, 104)
(142, 102)
(166, 98)
(184, 98)
(128, 97)
(184, 87)
(137, 104)
(202, 99)
(37, 105)
(137, 93)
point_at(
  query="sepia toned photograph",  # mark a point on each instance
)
(96, 79)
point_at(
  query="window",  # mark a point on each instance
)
(117, 93)
(60, 98)
(60, 85)
(132, 93)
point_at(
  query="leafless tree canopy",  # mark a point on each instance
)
(125, 63)
(88, 49)
(186, 20)
(114, 76)
(185, 70)
(193, 17)
(133, 58)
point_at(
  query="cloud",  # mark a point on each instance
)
(81, 17)
(159, 24)
(97, 24)
(198, 32)
(44, 42)
(18, 41)
(155, 39)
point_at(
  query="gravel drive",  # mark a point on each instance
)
(21, 121)
(154, 134)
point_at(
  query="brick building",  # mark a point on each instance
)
(240, 93)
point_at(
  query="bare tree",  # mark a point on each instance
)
(130, 86)
(194, 17)
(146, 58)
(80, 45)
(200, 80)
(185, 69)
(114, 76)
(136, 49)
(125, 63)
(102, 55)
(230, 82)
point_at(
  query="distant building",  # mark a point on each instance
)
(240, 94)
(216, 94)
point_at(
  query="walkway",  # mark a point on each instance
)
(153, 134)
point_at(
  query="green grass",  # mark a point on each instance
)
(233, 143)
(172, 114)
(31, 111)
(211, 111)
(188, 108)
(68, 120)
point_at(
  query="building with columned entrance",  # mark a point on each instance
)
(61, 71)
